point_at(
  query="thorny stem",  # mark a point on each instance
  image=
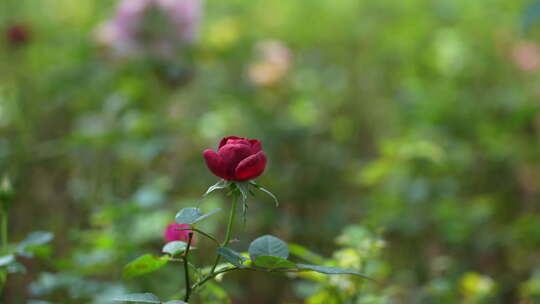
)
(186, 268)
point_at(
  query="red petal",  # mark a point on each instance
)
(232, 155)
(251, 167)
(216, 164)
(256, 145)
(223, 142)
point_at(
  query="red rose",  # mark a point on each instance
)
(237, 158)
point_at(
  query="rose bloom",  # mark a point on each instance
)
(237, 159)
(171, 234)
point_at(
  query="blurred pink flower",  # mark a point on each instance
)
(171, 234)
(17, 34)
(526, 55)
(158, 27)
(274, 62)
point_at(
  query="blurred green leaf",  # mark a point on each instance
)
(330, 270)
(214, 294)
(138, 298)
(16, 267)
(304, 253)
(143, 265)
(6, 259)
(35, 238)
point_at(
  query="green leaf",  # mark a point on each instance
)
(36, 238)
(272, 262)
(192, 215)
(138, 298)
(202, 217)
(304, 253)
(232, 256)
(188, 215)
(6, 259)
(218, 186)
(143, 265)
(176, 302)
(266, 191)
(330, 270)
(174, 247)
(268, 245)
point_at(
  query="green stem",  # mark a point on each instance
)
(201, 282)
(202, 233)
(4, 227)
(213, 275)
(228, 234)
(229, 231)
(231, 221)
(186, 269)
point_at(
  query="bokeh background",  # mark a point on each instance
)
(403, 142)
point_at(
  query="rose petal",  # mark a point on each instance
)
(240, 141)
(251, 167)
(223, 142)
(232, 155)
(216, 164)
(256, 145)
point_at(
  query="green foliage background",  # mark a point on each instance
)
(403, 142)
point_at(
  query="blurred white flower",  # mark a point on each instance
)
(274, 62)
(154, 27)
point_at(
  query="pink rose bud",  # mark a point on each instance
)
(237, 159)
(171, 234)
